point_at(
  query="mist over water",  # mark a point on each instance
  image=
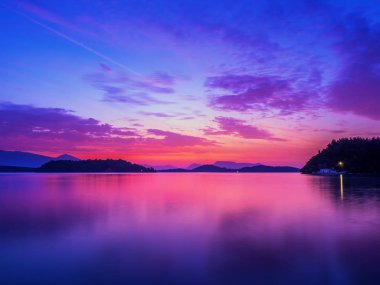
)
(190, 228)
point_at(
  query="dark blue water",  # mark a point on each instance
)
(189, 229)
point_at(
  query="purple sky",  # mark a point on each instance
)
(188, 81)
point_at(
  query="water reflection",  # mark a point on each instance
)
(350, 188)
(189, 229)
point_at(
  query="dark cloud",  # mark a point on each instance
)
(338, 131)
(258, 93)
(356, 88)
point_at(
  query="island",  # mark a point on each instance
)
(347, 155)
(92, 165)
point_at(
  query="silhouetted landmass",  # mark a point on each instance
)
(66, 157)
(28, 159)
(265, 168)
(258, 168)
(93, 165)
(22, 159)
(16, 169)
(225, 164)
(234, 165)
(357, 155)
(210, 168)
(110, 165)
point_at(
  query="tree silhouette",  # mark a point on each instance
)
(353, 155)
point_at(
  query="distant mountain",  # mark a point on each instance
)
(27, 159)
(265, 168)
(22, 159)
(193, 165)
(225, 164)
(92, 165)
(234, 165)
(257, 168)
(66, 157)
(210, 168)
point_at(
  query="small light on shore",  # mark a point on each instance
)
(340, 163)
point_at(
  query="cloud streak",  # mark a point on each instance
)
(66, 37)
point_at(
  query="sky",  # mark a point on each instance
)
(179, 82)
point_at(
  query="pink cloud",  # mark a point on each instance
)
(239, 128)
(175, 139)
(29, 128)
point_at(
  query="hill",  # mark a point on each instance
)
(22, 159)
(66, 157)
(225, 164)
(27, 159)
(93, 165)
(234, 165)
(210, 168)
(353, 155)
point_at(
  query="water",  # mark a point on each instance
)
(188, 229)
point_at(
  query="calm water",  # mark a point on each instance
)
(188, 229)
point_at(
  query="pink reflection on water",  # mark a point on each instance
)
(164, 200)
(225, 227)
